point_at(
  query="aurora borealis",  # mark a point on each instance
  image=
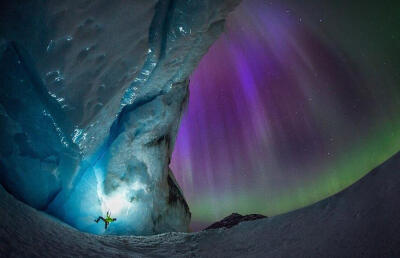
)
(293, 103)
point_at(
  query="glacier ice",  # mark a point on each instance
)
(91, 98)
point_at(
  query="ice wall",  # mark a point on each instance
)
(91, 97)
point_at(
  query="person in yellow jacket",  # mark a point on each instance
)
(106, 220)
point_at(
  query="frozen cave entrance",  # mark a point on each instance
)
(90, 106)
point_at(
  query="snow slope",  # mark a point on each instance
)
(361, 221)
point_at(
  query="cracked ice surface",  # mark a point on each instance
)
(91, 98)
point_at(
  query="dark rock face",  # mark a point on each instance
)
(234, 219)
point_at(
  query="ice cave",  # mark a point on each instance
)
(199, 128)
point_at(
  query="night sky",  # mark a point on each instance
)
(295, 101)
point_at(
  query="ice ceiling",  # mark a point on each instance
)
(294, 102)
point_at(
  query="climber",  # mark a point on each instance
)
(106, 220)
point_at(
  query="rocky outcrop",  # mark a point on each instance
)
(234, 219)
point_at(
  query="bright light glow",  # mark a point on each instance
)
(116, 203)
(120, 200)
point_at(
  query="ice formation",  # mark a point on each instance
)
(91, 97)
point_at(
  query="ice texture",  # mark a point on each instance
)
(91, 98)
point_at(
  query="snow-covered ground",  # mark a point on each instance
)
(361, 221)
